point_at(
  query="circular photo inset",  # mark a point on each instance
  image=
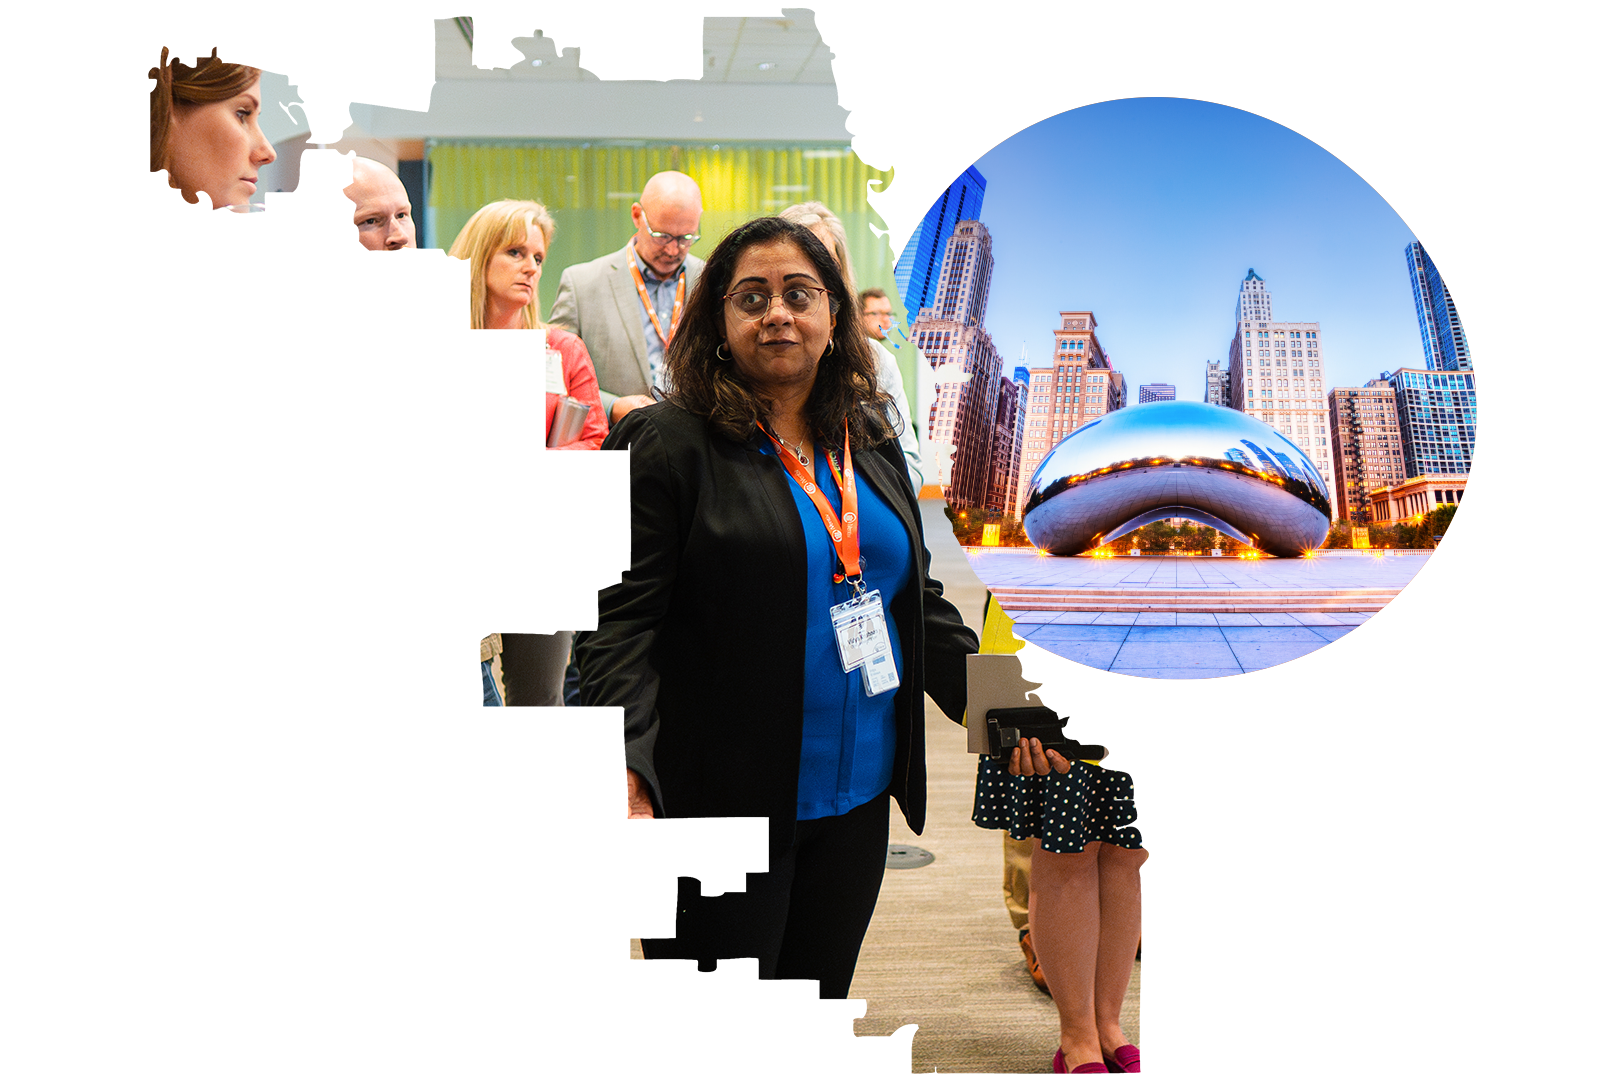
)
(1203, 402)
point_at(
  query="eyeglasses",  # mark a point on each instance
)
(800, 301)
(664, 239)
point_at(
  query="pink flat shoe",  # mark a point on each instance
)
(1127, 1059)
(1088, 1067)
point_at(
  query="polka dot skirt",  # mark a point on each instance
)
(1067, 811)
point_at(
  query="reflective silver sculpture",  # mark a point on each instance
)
(1183, 459)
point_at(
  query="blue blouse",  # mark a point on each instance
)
(849, 739)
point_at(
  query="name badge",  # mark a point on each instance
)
(555, 384)
(862, 634)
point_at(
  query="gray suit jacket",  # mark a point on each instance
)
(597, 300)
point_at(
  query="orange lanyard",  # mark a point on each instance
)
(646, 301)
(846, 534)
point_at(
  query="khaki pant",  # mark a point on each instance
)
(1015, 855)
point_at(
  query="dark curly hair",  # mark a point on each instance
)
(846, 379)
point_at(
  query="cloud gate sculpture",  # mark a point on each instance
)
(1213, 465)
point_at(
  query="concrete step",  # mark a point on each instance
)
(1194, 600)
(1008, 598)
(1194, 606)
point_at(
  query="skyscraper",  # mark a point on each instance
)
(1366, 434)
(1008, 441)
(1217, 384)
(1156, 391)
(1436, 411)
(1445, 347)
(1079, 387)
(1254, 301)
(917, 272)
(966, 365)
(1275, 373)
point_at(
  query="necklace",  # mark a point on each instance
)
(798, 449)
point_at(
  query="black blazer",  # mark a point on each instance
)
(702, 642)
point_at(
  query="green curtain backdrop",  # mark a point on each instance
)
(588, 187)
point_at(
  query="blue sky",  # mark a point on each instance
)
(1150, 211)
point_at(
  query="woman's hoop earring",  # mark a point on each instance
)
(725, 358)
(831, 347)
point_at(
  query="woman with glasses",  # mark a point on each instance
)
(205, 129)
(830, 231)
(772, 640)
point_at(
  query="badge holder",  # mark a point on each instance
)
(862, 634)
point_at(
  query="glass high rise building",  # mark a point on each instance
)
(1436, 411)
(917, 273)
(1445, 347)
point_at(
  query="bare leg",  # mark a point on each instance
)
(1064, 920)
(1119, 895)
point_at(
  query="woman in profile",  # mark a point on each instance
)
(205, 129)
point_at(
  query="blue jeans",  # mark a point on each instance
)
(260, 1046)
(545, 1046)
(492, 693)
(379, 1046)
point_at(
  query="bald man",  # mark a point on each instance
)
(624, 305)
(382, 210)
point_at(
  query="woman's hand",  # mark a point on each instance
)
(641, 803)
(1028, 759)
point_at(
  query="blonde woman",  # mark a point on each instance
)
(506, 243)
(826, 227)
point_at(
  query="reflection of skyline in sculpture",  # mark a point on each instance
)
(1177, 459)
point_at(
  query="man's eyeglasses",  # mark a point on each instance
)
(664, 239)
(800, 301)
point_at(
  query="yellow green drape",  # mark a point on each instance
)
(588, 189)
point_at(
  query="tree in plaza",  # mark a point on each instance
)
(1438, 520)
(1155, 536)
(968, 523)
(1413, 534)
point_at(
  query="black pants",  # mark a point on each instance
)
(805, 917)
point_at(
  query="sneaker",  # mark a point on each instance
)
(183, 1045)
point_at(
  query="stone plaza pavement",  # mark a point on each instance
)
(1190, 618)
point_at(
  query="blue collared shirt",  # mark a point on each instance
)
(662, 295)
(847, 757)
